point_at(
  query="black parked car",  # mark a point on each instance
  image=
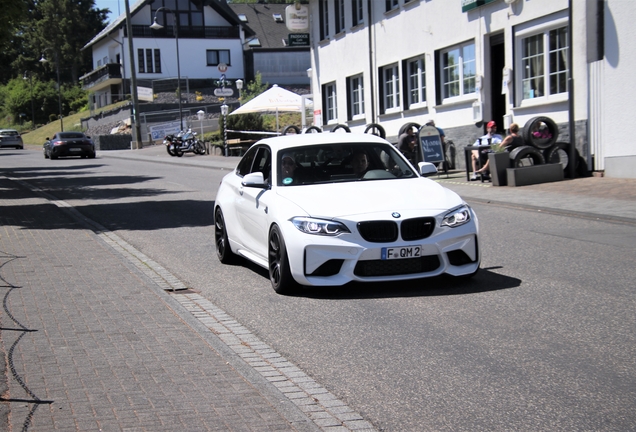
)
(69, 144)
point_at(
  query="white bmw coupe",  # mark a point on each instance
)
(324, 209)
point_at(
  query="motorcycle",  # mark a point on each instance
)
(187, 142)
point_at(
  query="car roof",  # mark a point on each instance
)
(297, 140)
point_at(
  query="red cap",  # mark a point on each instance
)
(491, 123)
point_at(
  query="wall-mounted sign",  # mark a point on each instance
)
(472, 4)
(297, 17)
(298, 39)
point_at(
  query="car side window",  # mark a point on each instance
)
(245, 166)
(262, 163)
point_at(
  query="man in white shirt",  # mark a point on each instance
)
(490, 138)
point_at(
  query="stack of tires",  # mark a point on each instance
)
(540, 135)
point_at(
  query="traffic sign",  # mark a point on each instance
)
(223, 92)
(222, 67)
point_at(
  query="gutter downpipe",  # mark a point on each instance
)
(371, 64)
(572, 155)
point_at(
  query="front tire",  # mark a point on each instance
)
(223, 250)
(279, 272)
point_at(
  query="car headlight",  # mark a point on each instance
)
(319, 226)
(457, 217)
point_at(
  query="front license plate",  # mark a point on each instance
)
(401, 252)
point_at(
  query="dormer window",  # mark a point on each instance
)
(278, 18)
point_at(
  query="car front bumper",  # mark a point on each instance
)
(332, 261)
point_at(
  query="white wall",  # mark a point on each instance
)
(422, 27)
(618, 93)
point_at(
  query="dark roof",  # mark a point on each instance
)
(260, 18)
(220, 6)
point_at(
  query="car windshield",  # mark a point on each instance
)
(9, 133)
(70, 135)
(344, 162)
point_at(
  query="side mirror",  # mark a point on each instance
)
(427, 169)
(254, 180)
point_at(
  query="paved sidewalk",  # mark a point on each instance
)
(94, 344)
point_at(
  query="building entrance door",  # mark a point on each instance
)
(497, 63)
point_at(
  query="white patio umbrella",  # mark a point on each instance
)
(276, 100)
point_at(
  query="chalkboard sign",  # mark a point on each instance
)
(431, 144)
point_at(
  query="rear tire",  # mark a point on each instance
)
(223, 250)
(279, 272)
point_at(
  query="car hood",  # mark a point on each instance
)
(346, 200)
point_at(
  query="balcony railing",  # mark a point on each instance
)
(193, 32)
(101, 74)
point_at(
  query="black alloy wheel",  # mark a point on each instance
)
(279, 271)
(223, 250)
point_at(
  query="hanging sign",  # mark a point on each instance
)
(297, 17)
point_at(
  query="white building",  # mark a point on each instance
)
(246, 38)
(465, 62)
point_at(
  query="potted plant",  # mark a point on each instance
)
(498, 161)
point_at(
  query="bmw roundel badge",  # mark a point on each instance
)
(396, 215)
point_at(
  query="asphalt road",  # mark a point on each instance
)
(541, 339)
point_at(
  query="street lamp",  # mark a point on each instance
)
(224, 110)
(30, 78)
(59, 88)
(156, 26)
(239, 86)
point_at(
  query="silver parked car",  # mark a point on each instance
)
(11, 138)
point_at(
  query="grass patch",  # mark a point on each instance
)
(38, 136)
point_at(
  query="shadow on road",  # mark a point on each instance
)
(484, 281)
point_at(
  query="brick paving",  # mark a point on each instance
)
(94, 344)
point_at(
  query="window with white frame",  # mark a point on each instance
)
(458, 70)
(416, 81)
(216, 57)
(544, 63)
(391, 4)
(357, 12)
(355, 94)
(339, 7)
(390, 88)
(324, 19)
(149, 60)
(329, 102)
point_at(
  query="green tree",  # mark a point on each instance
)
(254, 88)
(62, 28)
